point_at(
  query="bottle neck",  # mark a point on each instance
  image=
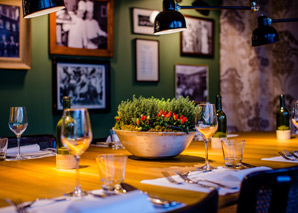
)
(218, 103)
(282, 101)
(66, 103)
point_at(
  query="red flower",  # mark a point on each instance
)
(138, 121)
(181, 116)
(165, 113)
(183, 120)
(168, 115)
(143, 117)
(176, 116)
(161, 111)
(158, 115)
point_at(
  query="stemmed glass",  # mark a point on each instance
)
(18, 123)
(76, 136)
(294, 113)
(206, 125)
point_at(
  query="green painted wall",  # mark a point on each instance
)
(33, 88)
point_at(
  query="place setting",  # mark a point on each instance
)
(207, 178)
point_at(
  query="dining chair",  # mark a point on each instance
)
(270, 191)
(208, 204)
(44, 140)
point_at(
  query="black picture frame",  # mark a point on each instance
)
(87, 82)
(147, 60)
(198, 39)
(143, 20)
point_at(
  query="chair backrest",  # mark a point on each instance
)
(44, 141)
(208, 205)
(270, 191)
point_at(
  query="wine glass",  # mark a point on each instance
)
(18, 123)
(294, 114)
(206, 125)
(76, 136)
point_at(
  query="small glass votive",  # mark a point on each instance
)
(112, 172)
(3, 148)
(233, 152)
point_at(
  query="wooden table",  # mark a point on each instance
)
(38, 178)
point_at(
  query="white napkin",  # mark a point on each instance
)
(280, 159)
(229, 177)
(24, 149)
(134, 201)
(131, 202)
(30, 152)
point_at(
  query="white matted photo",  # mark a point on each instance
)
(191, 81)
(86, 82)
(147, 60)
(143, 20)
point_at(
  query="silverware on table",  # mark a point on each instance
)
(169, 177)
(289, 154)
(19, 206)
(188, 180)
(291, 158)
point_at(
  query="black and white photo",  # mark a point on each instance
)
(9, 31)
(85, 82)
(84, 27)
(197, 40)
(143, 21)
(191, 81)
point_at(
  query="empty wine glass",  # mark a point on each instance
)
(294, 114)
(206, 125)
(18, 123)
(76, 136)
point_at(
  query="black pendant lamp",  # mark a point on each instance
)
(33, 8)
(169, 20)
(265, 33)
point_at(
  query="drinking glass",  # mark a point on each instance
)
(294, 113)
(76, 136)
(206, 125)
(18, 123)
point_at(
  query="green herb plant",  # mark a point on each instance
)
(156, 115)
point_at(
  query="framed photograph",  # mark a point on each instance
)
(143, 21)
(15, 36)
(191, 81)
(86, 82)
(198, 39)
(83, 28)
(147, 60)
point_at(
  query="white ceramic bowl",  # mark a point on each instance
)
(155, 145)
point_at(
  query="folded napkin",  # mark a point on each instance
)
(280, 159)
(30, 152)
(134, 201)
(131, 202)
(228, 177)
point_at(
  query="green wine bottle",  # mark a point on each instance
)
(222, 120)
(282, 116)
(64, 160)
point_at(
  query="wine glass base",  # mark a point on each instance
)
(77, 194)
(205, 168)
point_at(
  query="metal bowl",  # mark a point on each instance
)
(155, 145)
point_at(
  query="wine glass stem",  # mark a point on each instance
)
(78, 186)
(206, 155)
(19, 147)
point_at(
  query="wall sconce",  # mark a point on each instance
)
(265, 33)
(170, 20)
(34, 8)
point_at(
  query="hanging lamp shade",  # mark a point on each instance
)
(169, 20)
(33, 8)
(265, 33)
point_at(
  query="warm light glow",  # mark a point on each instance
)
(44, 12)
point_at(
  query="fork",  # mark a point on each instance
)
(289, 154)
(19, 206)
(206, 180)
(287, 157)
(170, 178)
(188, 180)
